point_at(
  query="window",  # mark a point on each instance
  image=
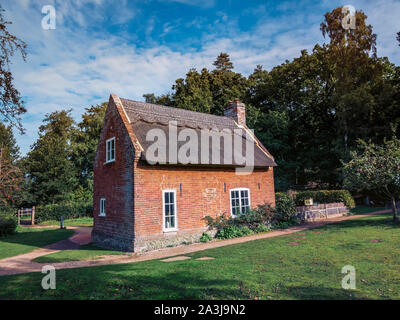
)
(110, 150)
(169, 210)
(240, 201)
(102, 207)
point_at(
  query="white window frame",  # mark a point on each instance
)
(175, 211)
(240, 199)
(102, 211)
(108, 151)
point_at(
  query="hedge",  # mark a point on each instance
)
(8, 224)
(285, 207)
(326, 196)
(66, 210)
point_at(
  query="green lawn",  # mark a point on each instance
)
(266, 269)
(28, 239)
(85, 252)
(84, 222)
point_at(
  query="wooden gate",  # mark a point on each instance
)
(24, 213)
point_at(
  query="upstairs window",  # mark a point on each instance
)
(102, 207)
(169, 210)
(240, 201)
(110, 150)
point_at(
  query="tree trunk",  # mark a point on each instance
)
(394, 208)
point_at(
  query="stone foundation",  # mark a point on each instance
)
(321, 211)
(113, 242)
(170, 239)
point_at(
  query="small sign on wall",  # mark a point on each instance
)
(308, 202)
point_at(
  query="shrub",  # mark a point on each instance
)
(205, 237)
(70, 210)
(285, 207)
(8, 224)
(285, 224)
(262, 228)
(246, 231)
(326, 196)
(229, 232)
(263, 215)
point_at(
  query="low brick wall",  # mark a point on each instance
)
(321, 211)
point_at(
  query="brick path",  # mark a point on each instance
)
(23, 264)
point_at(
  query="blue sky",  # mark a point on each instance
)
(134, 47)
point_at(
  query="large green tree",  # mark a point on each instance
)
(376, 168)
(8, 143)
(84, 141)
(48, 166)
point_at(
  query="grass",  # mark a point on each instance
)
(28, 239)
(365, 209)
(85, 252)
(263, 269)
(84, 222)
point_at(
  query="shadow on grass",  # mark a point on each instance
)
(322, 293)
(37, 238)
(121, 282)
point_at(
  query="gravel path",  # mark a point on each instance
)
(23, 264)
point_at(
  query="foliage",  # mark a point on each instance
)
(48, 165)
(8, 143)
(84, 140)
(8, 224)
(11, 104)
(11, 179)
(285, 207)
(376, 168)
(66, 210)
(229, 232)
(205, 237)
(326, 196)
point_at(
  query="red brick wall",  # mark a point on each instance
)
(194, 203)
(114, 181)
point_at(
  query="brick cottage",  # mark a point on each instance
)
(145, 201)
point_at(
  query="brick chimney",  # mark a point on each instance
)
(237, 111)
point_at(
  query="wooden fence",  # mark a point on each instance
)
(26, 212)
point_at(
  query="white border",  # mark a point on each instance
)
(240, 198)
(115, 150)
(176, 211)
(102, 214)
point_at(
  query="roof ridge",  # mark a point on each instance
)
(175, 108)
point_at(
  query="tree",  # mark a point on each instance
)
(354, 68)
(194, 92)
(10, 181)
(8, 143)
(398, 37)
(377, 169)
(84, 141)
(48, 166)
(223, 62)
(11, 104)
